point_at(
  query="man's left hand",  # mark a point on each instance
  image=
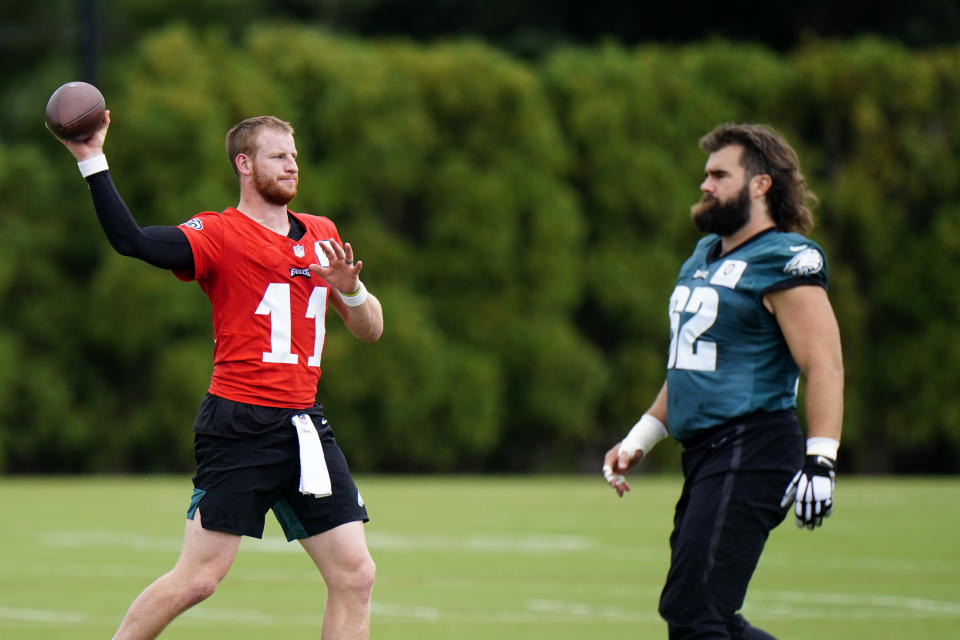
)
(812, 487)
(342, 271)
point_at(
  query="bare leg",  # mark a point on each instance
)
(343, 559)
(205, 558)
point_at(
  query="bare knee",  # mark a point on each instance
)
(189, 587)
(362, 578)
(199, 588)
(204, 561)
(355, 578)
(369, 574)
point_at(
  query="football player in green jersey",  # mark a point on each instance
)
(749, 315)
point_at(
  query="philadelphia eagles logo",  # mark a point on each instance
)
(804, 263)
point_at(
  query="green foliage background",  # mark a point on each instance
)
(522, 222)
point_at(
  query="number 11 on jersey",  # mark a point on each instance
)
(276, 304)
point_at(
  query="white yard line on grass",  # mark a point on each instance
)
(43, 616)
(867, 563)
(536, 543)
(542, 543)
(808, 605)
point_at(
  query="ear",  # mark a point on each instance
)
(760, 184)
(244, 164)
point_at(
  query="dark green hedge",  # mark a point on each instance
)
(521, 222)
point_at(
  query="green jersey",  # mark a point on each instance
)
(728, 357)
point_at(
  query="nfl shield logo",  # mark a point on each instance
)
(299, 251)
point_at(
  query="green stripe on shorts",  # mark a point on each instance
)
(195, 502)
(289, 522)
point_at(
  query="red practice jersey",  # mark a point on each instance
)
(269, 310)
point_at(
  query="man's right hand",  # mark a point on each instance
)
(615, 466)
(92, 146)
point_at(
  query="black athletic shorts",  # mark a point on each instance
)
(248, 461)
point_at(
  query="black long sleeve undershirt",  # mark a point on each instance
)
(164, 247)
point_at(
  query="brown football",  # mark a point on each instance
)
(75, 111)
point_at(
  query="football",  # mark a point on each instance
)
(75, 111)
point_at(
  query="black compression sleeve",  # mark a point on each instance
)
(164, 247)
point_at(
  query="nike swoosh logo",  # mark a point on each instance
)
(825, 462)
(798, 247)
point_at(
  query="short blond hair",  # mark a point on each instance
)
(242, 137)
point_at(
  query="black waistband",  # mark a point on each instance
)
(751, 420)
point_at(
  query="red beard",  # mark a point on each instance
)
(273, 190)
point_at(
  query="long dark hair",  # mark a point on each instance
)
(766, 151)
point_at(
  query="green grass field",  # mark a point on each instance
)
(481, 557)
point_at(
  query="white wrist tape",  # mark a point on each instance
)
(93, 165)
(356, 298)
(823, 447)
(610, 476)
(643, 436)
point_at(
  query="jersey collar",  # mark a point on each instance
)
(714, 253)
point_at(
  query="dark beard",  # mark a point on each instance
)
(271, 191)
(722, 218)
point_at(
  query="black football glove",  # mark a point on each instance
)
(813, 488)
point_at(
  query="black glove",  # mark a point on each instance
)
(813, 488)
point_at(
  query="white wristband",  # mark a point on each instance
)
(643, 436)
(356, 298)
(93, 165)
(823, 447)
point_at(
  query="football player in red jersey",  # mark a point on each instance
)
(261, 439)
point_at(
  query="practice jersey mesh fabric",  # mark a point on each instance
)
(728, 357)
(269, 310)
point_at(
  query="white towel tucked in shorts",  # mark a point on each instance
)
(314, 477)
